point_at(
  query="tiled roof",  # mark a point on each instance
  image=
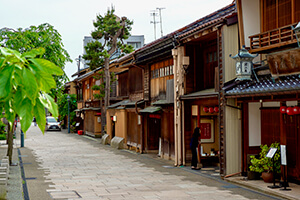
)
(263, 86)
(213, 18)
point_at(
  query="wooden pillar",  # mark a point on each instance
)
(283, 140)
(175, 58)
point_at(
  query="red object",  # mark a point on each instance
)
(155, 116)
(283, 109)
(289, 111)
(80, 132)
(98, 113)
(205, 109)
(216, 109)
(205, 130)
(211, 109)
(296, 110)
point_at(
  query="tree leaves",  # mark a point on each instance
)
(30, 84)
(6, 81)
(25, 114)
(39, 113)
(24, 83)
(47, 66)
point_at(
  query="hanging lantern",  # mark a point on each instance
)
(205, 109)
(216, 109)
(282, 109)
(211, 109)
(289, 111)
(296, 110)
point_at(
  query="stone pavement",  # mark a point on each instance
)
(58, 165)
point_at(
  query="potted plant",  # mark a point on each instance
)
(264, 164)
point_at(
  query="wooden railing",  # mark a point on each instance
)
(272, 39)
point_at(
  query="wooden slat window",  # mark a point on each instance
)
(279, 13)
(297, 11)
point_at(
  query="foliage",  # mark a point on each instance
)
(62, 103)
(2, 131)
(25, 80)
(264, 164)
(44, 35)
(113, 30)
(101, 88)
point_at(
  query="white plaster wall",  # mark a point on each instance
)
(233, 138)
(251, 18)
(254, 124)
(271, 104)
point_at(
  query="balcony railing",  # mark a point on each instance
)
(272, 39)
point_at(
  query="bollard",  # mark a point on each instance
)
(22, 138)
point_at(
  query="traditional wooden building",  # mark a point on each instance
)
(253, 106)
(158, 117)
(123, 119)
(200, 68)
(88, 108)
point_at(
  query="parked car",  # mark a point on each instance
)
(52, 124)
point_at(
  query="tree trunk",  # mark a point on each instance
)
(107, 92)
(10, 143)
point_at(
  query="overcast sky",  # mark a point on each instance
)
(73, 18)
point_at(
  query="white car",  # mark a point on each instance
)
(52, 124)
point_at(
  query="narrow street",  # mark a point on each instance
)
(59, 165)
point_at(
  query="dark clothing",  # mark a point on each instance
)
(194, 146)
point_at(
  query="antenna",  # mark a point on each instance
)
(154, 14)
(161, 29)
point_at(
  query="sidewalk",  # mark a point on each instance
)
(34, 174)
(260, 185)
(14, 183)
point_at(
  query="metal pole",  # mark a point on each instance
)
(22, 138)
(68, 115)
(161, 30)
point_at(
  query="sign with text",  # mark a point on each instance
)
(283, 154)
(271, 152)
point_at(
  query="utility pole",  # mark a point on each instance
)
(79, 59)
(154, 14)
(161, 29)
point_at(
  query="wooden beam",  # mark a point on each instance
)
(240, 22)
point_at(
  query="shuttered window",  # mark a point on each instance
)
(278, 13)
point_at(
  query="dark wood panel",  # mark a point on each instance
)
(270, 125)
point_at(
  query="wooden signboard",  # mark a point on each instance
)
(284, 62)
(207, 130)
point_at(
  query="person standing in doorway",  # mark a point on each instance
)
(194, 145)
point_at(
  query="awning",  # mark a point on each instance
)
(161, 102)
(200, 94)
(132, 103)
(151, 109)
(120, 103)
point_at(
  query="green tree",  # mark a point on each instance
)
(45, 36)
(62, 103)
(25, 81)
(113, 30)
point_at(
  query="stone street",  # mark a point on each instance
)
(59, 165)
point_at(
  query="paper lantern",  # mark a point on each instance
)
(282, 109)
(205, 109)
(211, 109)
(289, 111)
(216, 109)
(296, 110)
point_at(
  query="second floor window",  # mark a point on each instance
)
(279, 13)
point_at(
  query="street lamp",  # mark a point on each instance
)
(68, 98)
